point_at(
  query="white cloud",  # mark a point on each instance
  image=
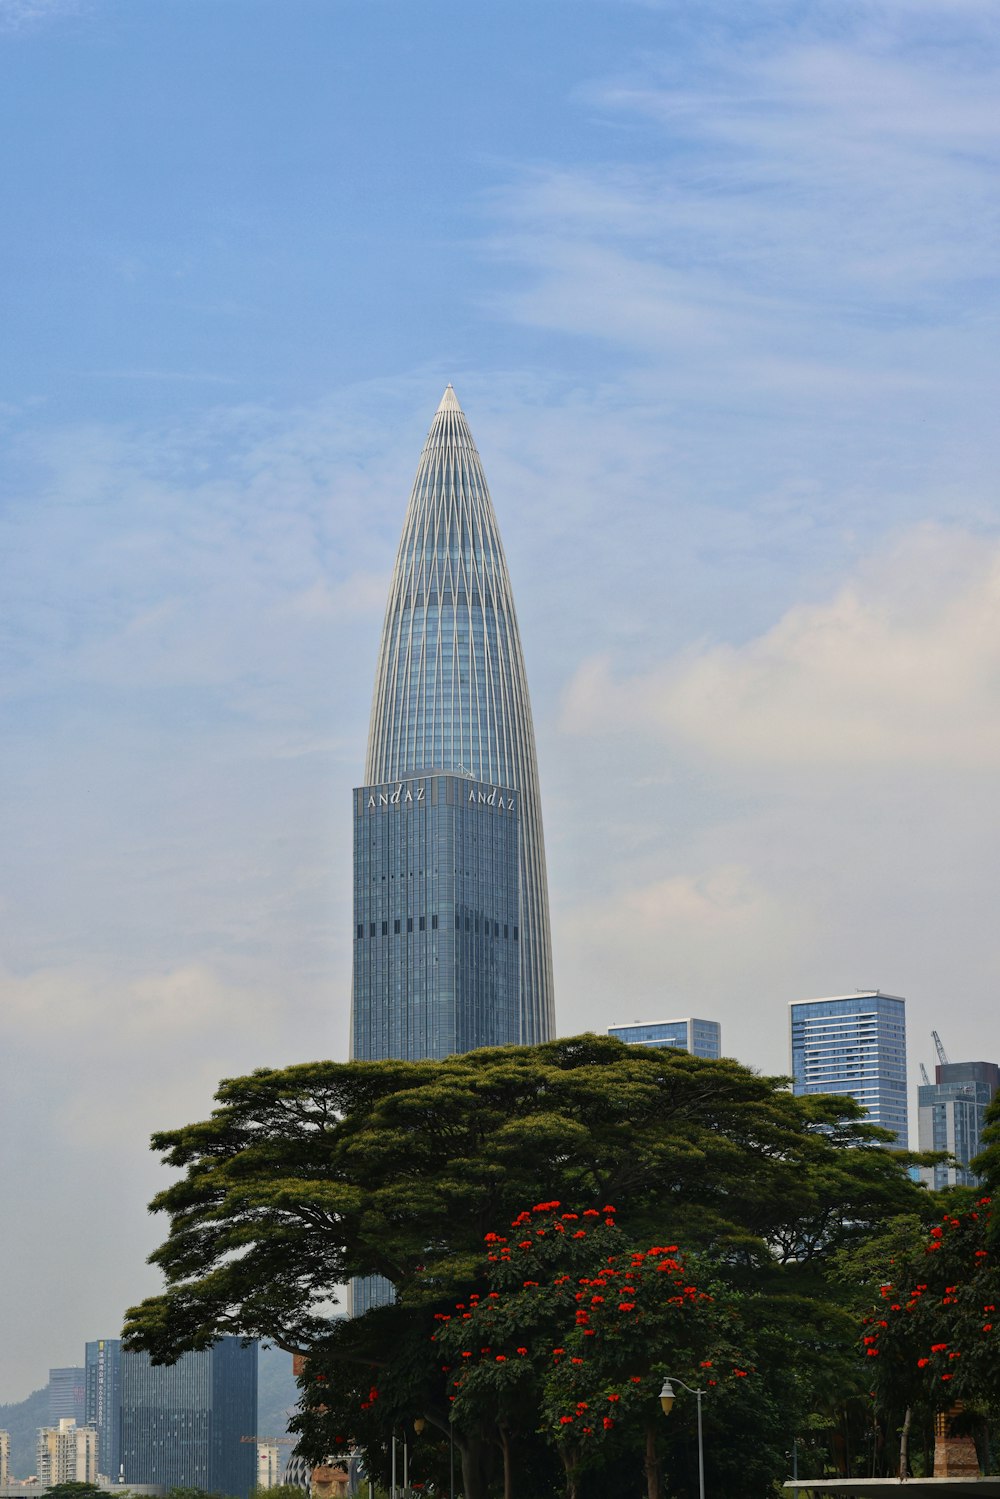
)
(900, 668)
(671, 947)
(20, 15)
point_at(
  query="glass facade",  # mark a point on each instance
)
(437, 925)
(703, 1038)
(66, 1392)
(951, 1113)
(183, 1423)
(103, 1401)
(855, 1044)
(451, 696)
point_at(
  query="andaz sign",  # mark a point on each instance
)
(402, 794)
(492, 798)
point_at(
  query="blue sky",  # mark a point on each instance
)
(717, 288)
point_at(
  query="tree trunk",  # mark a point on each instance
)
(508, 1471)
(571, 1465)
(904, 1444)
(652, 1464)
(475, 1474)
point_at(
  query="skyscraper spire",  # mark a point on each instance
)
(451, 697)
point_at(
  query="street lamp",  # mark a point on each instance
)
(667, 1401)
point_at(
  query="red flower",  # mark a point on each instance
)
(922, 1363)
(565, 1420)
(608, 1423)
(938, 1347)
(626, 1306)
(501, 1358)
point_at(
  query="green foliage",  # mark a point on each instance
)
(196, 1493)
(306, 1177)
(74, 1489)
(934, 1335)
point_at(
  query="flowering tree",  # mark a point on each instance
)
(573, 1333)
(305, 1177)
(933, 1336)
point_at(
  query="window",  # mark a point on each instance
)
(434, 923)
(385, 929)
(409, 923)
(423, 923)
(372, 933)
(361, 930)
(515, 934)
(395, 927)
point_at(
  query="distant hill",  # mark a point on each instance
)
(22, 1421)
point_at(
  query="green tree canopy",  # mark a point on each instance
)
(306, 1177)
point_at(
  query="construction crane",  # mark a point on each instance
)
(942, 1054)
(923, 1075)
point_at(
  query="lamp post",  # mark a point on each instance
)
(667, 1401)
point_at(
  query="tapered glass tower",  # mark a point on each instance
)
(452, 946)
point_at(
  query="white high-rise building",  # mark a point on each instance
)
(4, 1458)
(854, 1044)
(269, 1465)
(67, 1453)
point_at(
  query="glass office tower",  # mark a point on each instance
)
(184, 1424)
(437, 934)
(856, 1044)
(103, 1401)
(451, 718)
(951, 1112)
(703, 1038)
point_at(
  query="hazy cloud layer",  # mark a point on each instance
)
(900, 669)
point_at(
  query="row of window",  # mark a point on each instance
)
(470, 923)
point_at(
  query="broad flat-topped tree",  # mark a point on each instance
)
(305, 1177)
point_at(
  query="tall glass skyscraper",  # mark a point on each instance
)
(103, 1410)
(855, 1044)
(192, 1424)
(951, 1114)
(451, 922)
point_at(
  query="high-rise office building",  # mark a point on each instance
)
(854, 1044)
(451, 925)
(4, 1458)
(703, 1038)
(103, 1401)
(183, 1424)
(951, 1112)
(66, 1395)
(66, 1453)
